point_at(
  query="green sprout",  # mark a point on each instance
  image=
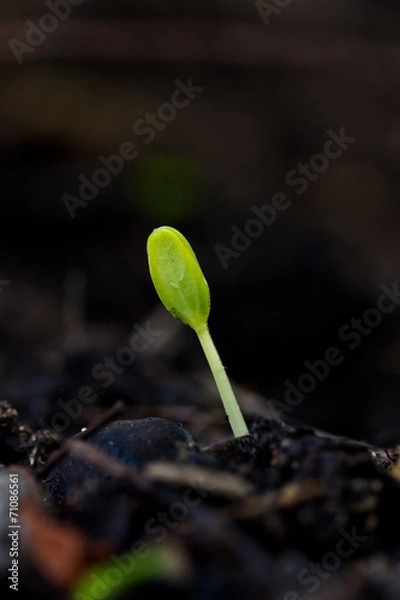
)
(183, 289)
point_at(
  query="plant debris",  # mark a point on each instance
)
(283, 510)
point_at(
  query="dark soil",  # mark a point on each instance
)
(283, 513)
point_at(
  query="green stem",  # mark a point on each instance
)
(229, 401)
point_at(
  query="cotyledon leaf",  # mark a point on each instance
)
(177, 277)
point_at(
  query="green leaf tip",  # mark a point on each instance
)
(177, 277)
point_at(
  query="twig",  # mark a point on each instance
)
(116, 410)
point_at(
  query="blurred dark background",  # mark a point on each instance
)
(73, 288)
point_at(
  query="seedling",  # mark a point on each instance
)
(184, 291)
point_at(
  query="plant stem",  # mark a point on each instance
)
(229, 401)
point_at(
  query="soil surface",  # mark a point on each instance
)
(285, 512)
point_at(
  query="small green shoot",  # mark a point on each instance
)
(183, 289)
(148, 563)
